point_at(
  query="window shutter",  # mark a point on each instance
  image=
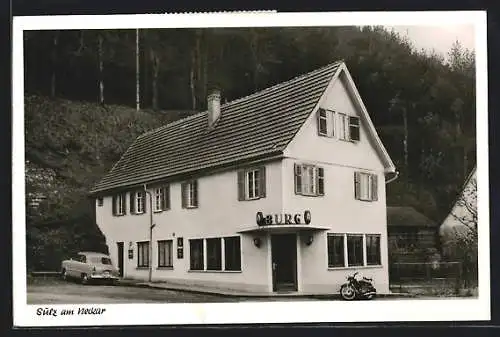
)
(114, 204)
(356, 186)
(332, 123)
(165, 198)
(374, 187)
(183, 195)
(123, 198)
(298, 178)
(241, 185)
(262, 182)
(354, 128)
(195, 193)
(132, 202)
(144, 201)
(320, 181)
(318, 119)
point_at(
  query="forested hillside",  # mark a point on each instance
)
(81, 108)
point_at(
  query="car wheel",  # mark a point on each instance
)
(84, 279)
(64, 275)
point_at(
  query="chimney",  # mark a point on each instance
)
(213, 107)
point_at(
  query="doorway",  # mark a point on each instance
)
(284, 262)
(120, 258)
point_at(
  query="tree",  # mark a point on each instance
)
(464, 238)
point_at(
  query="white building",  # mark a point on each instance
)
(283, 189)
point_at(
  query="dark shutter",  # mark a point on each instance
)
(320, 181)
(195, 193)
(298, 178)
(354, 128)
(144, 202)
(356, 186)
(374, 187)
(123, 197)
(241, 185)
(165, 197)
(113, 200)
(183, 194)
(322, 113)
(132, 202)
(262, 181)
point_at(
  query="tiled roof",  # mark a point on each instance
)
(404, 216)
(257, 125)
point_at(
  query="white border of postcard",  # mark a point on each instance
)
(252, 312)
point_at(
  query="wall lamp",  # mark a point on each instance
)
(257, 242)
(309, 240)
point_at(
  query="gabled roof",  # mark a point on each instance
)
(404, 216)
(257, 126)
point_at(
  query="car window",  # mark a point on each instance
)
(101, 260)
(82, 258)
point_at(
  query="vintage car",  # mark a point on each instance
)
(89, 266)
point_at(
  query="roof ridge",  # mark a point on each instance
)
(237, 100)
(277, 85)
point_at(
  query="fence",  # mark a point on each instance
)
(438, 276)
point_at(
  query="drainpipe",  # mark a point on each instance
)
(151, 226)
(396, 175)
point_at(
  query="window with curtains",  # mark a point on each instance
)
(336, 250)
(232, 253)
(118, 204)
(365, 186)
(138, 202)
(222, 254)
(252, 183)
(354, 250)
(190, 194)
(309, 180)
(165, 251)
(373, 249)
(161, 198)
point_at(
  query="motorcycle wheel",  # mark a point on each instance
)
(347, 292)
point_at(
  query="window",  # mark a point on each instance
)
(161, 198)
(100, 201)
(118, 204)
(165, 253)
(190, 194)
(214, 256)
(354, 250)
(348, 127)
(336, 251)
(373, 250)
(362, 250)
(326, 123)
(252, 184)
(365, 186)
(143, 254)
(196, 254)
(354, 128)
(138, 202)
(232, 253)
(309, 180)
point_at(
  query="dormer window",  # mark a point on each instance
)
(326, 123)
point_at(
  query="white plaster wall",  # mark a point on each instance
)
(219, 214)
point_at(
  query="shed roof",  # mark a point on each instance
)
(405, 216)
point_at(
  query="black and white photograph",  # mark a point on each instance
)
(264, 167)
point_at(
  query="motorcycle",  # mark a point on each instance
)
(357, 289)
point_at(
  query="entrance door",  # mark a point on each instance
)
(120, 257)
(284, 262)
